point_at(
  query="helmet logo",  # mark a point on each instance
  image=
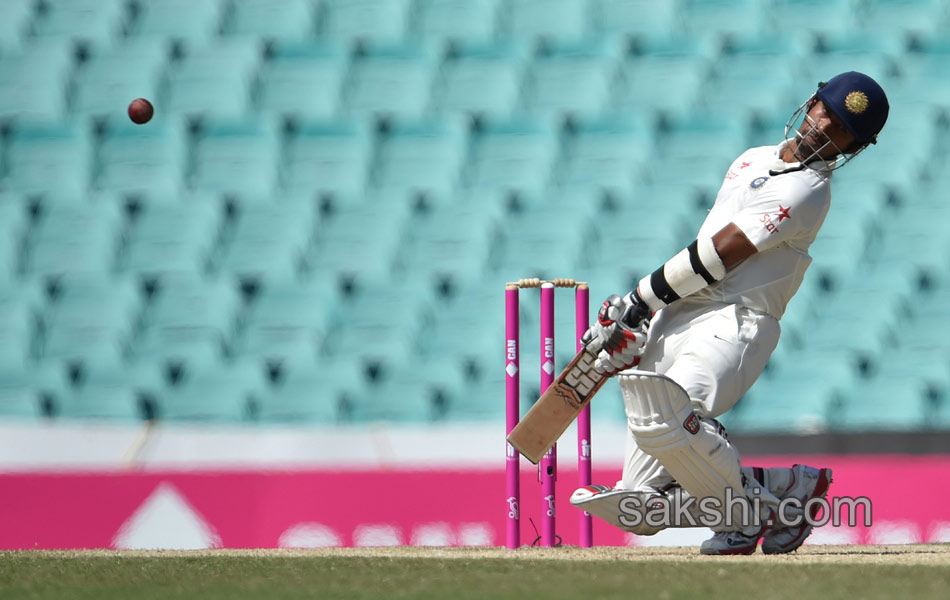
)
(856, 102)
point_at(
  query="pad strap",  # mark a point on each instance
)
(692, 269)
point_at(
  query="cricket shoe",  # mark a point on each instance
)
(623, 509)
(808, 483)
(724, 543)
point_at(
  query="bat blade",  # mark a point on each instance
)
(557, 407)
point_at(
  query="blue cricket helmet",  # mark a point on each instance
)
(858, 101)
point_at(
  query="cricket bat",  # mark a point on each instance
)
(557, 407)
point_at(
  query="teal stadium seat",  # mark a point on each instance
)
(481, 78)
(724, 17)
(37, 149)
(268, 20)
(20, 307)
(162, 19)
(91, 23)
(267, 242)
(302, 80)
(392, 313)
(187, 317)
(33, 81)
(365, 20)
(310, 392)
(390, 79)
(842, 241)
(925, 74)
(543, 19)
(451, 244)
(91, 321)
(664, 75)
(212, 80)
(221, 394)
(635, 17)
(106, 82)
(17, 15)
(894, 403)
(73, 239)
(917, 17)
(758, 72)
(171, 239)
(454, 20)
(424, 155)
(30, 392)
(516, 153)
(572, 77)
(608, 151)
(144, 161)
(287, 320)
(409, 393)
(877, 55)
(13, 222)
(331, 156)
(359, 242)
(542, 244)
(799, 15)
(236, 156)
(644, 248)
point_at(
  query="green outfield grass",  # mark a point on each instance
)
(891, 572)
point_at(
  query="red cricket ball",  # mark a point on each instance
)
(141, 110)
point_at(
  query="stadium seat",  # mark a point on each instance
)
(799, 15)
(724, 17)
(162, 19)
(73, 239)
(141, 160)
(454, 20)
(542, 245)
(365, 20)
(92, 320)
(91, 23)
(895, 403)
(663, 76)
(19, 323)
(105, 83)
(423, 155)
(284, 318)
(515, 153)
(33, 81)
(187, 314)
(916, 17)
(408, 396)
(607, 151)
(267, 242)
(481, 78)
(264, 19)
(840, 51)
(302, 80)
(224, 394)
(30, 391)
(16, 18)
(214, 80)
(327, 156)
(359, 242)
(390, 79)
(635, 17)
(236, 156)
(571, 77)
(645, 248)
(543, 19)
(310, 392)
(706, 141)
(169, 239)
(37, 149)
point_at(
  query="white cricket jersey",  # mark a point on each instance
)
(780, 211)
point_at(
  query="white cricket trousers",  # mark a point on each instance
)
(715, 352)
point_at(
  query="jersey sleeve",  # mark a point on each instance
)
(780, 211)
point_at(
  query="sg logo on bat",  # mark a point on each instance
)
(579, 383)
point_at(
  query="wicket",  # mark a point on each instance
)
(547, 469)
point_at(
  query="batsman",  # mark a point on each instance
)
(700, 329)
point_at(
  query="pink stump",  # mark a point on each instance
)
(512, 415)
(582, 315)
(548, 466)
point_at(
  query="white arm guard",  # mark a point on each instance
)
(695, 267)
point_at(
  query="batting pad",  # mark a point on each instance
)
(661, 419)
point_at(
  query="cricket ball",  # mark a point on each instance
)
(140, 110)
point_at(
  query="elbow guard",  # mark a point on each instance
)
(695, 267)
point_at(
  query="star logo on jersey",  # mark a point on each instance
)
(782, 213)
(745, 164)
